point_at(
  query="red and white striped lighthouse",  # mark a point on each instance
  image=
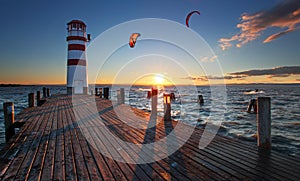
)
(77, 82)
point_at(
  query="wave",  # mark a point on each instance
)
(254, 92)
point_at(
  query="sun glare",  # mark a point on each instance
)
(158, 79)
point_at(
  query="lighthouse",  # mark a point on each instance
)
(77, 81)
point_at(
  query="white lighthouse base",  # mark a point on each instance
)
(77, 80)
(77, 90)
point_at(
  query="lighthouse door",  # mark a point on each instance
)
(78, 86)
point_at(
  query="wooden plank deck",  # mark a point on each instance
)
(52, 145)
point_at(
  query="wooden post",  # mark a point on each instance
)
(38, 98)
(44, 92)
(96, 91)
(173, 98)
(154, 92)
(118, 97)
(106, 92)
(167, 107)
(92, 93)
(264, 122)
(48, 92)
(149, 94)
(9, 118)
(200, 99)
(85, 91)
(255, 105)
(31, 100)
(100, 92)
(122, 95)
(252, 103)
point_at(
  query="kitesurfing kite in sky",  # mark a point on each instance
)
(133, 39)
(188, 17)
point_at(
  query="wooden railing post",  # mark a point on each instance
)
(9, 118)
(96, 91)
(167, 107)
(122, 95)
(252, 103)
(106, 92)
(48, 92)
(154, 93)
(38, 98)
(264, 122)
(44, 92)
(31, 100)
(200, 99)
(100, 92)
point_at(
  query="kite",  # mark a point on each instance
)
(188, 17)
(133, 39)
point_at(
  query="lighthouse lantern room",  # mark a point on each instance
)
(77, 82)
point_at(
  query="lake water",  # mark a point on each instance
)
(236, 123)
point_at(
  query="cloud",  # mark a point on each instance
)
(297, 79)
(279, 75)
(274, 72)
(210, 77)
(199, 78)
(209, 59)
(285, 15)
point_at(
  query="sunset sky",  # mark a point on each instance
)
(251, 41)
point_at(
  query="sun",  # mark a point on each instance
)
(158, 79)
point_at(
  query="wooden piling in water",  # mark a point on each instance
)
(106, 92)
(44, 92)
(167, 107)
(252, 103)
(48, 92)
(96, 91)
(149, 94)
(100, 92)
(264, 122)
(200, 99)
(9, 118)
(120, 96)
(154, 93)
(31, 100)
(173, 97)
(38, 98)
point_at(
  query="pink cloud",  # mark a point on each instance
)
(285, 15)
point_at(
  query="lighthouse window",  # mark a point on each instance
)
(73, 26)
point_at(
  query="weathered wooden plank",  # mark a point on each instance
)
(24, 148)
(115, 168)
(38, 164)
(98, 158)
(70, 166)
(59, 159)
(82, 172)
(10, 156)
(48, 168)
(88, 156)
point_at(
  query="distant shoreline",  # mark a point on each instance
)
(23, 85)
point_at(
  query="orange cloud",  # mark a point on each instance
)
(285, 15)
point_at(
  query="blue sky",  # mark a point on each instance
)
(34, 48)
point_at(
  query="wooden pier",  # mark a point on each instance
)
(51, 146)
